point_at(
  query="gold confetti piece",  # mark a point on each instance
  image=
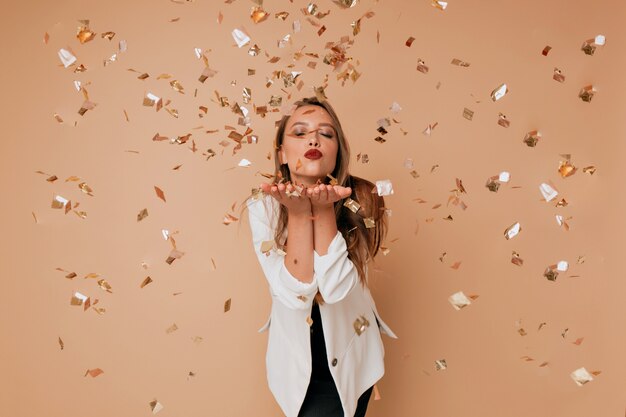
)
(548, 191)
(581, 376)
(229, 218)
(142, 215)
(459, 300)
(105, 285)
(281, 15)
(79, 299)
(499, 92)
(84, 34)
(578, 341)
(384, 187)
(503, 121)
(159, 193)
(220, 17)
(46, 38)
(586, 93)
(468, 114)
(107, 35)
(197, 340)
(532, 138)
(58, 118)
(589, 46)
(512, 231)
(558, 75)
(301, 297)
(171, 329)
(409, 41)
(94, 372)
(145, 282)
(459, 63)
(440, 364)
(321, 30)
(87, 105)
(177, 86)
(61, 344)
(566, 169)
(227, 306)
(589, 170)
(309, 321)
(59, 202)
(456, 265)
(360, 325)
(421, 66)
(258, 15)
(352, 205)
(545, 50)
(155, 406)
(441, 5)
(346, 3)
(369, 222)
(516, 260)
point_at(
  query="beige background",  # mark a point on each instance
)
(487, 374)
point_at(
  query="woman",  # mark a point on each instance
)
(314, 230)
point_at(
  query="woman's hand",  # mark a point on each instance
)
(324, 196)
(287, 195)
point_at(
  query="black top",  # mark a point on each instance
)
(320, 371)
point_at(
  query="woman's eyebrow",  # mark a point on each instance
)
(321, 124)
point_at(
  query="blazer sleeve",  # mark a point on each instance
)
(335, 274)
(292, 292)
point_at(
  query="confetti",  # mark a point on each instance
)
(468, 114)
(67, 57)
(240, 37)
(352, 205)
(159, 193)
(589, 46)
(227, 305)
(459, 63)
(459, 300)
(384, 187)
(258, 15)
(94, 372)
(512, 231)
(545, 50)
(558, 75)
(581, 376)
(145, 282)
(142, 215)
(499, 92)
(503, 121)
(84, 34)
(346, 3)
(532, 138)
(441, 5)
(548, 191)
(171, 329)
(409, 41)
(155, 406)
(516, 260)
(587, 93)
(421, 66)
(440, 364)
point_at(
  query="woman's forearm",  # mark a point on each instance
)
(324, 228)
(299, 258)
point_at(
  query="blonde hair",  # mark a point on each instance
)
(363, 243)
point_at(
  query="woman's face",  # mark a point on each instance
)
(309, 145)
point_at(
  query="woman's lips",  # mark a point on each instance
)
(313, 154)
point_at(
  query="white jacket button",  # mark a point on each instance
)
(334, 362)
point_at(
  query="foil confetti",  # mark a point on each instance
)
(384, 187)
(512, 231)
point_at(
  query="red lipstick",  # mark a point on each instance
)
(313, 154)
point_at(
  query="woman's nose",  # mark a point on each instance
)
(314, 141)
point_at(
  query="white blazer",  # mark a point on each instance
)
(349, 316)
